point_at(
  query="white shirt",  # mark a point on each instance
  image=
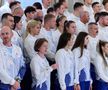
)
(44, 10)
(51, 48)
(81, 27)
(81, 63)
(10, 63)
(100, 1)
(74, 18)
(24, 25)
(56, 35)
(101, 68)
(88, 9)
(67, 14)
(29, 45)
(92, 45)
(103, 33)
(4, 9)
(92, 19)
(103, 10)
(65, 62)
(40, 70)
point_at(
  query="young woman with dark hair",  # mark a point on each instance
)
(65, 61)
(82, 62)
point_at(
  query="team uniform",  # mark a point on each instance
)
(40, 73)
(101, 73)
(65, 70)
(82, 68)
(12, 66)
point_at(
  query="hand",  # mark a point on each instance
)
(12, 88)
(16, 85)
(54, 66)
(90, 87)
(77, 87)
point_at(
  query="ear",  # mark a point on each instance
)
(102, 48)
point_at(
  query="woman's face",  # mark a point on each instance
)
(19, 25)
(105, 49)
(70, 42)
(86, 40)
(72, 28)
(62, 22)
(43, 48)
(36, 30)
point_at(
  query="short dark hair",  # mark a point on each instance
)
(57, 5)
(5, 15)
(63, 40)
(93, 4)
(38, 43)
(92, 23)
(29, 9)
(77, 5)
(50, 9)
(37, 5)
(103, 14)
(13, 3)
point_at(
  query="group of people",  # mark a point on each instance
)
(45, 47)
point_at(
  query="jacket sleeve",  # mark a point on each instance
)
(4, 77)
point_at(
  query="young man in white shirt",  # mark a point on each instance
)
(92, 47)
(46, 31)
(5, 8)
(30, 13)
(78, 9)
(103, 26)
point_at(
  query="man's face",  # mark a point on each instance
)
(47, 2)
(105, 21)
(10, 22)
(97, 8)
(53, 23)
(93, 30)
(6, 34)
(32, 15)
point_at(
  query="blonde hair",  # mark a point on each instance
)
(32, 24)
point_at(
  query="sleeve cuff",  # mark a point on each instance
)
(63, 87)
(51, 69)
(12, 82)
(76, 82)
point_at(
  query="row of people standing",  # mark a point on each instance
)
(72, 64)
